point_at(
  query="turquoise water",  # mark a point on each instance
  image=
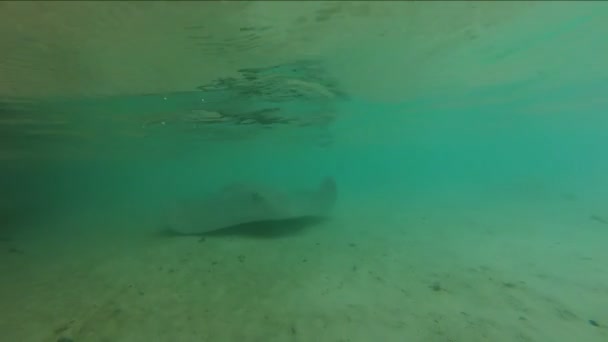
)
(471, 178)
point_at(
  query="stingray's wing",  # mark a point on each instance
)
(232, 205)
(246, 203)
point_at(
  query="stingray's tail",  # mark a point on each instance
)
(328, 192)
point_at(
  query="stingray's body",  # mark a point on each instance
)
(242, 205)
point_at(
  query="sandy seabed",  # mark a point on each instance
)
(510, 271)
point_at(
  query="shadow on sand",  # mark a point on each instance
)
(260, 229)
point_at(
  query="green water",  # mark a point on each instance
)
(471, 174)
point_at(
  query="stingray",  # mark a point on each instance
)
(253, 208)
